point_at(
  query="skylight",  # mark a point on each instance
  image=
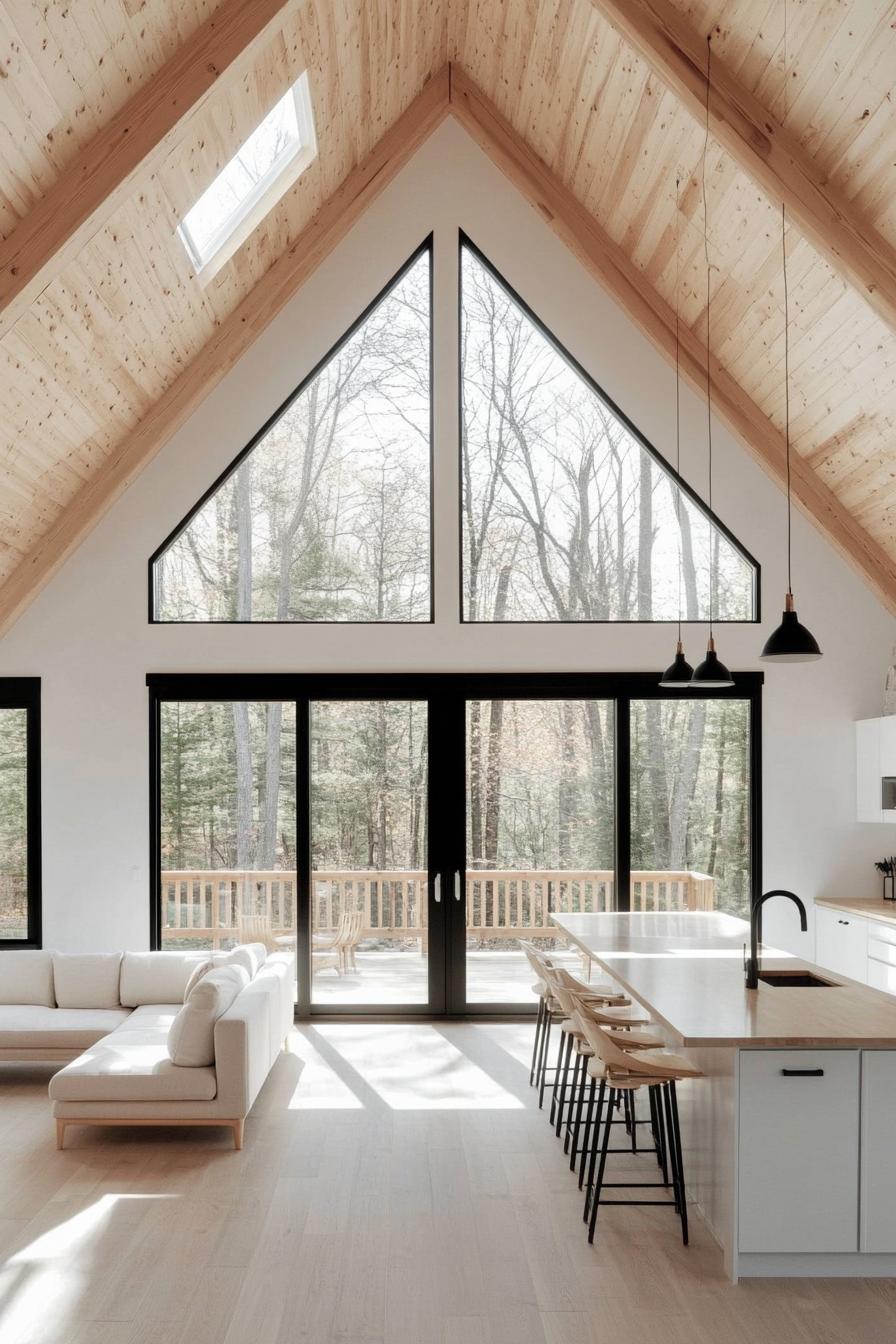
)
(263, 167)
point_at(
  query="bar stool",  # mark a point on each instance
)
(571, 1036)
(623, 1072)
(548, 975)
(628, 1038)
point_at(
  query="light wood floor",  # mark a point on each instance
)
(397, 1187)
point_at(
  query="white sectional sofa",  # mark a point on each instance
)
(107, 1018)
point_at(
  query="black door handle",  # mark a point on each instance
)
(803, 1073)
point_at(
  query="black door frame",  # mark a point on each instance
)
(446, 694)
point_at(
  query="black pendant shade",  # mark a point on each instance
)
(711, 674)
(677, 676)
(791, 642)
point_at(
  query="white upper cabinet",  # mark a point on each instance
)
(876, 769)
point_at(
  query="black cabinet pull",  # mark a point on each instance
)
(842, 921)
(803, 1073)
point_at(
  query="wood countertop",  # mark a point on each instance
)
(687, 970)
(871, 907)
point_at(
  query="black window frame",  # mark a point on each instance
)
(24, 693)
(447, 791)
(425, 248)
(466, 243)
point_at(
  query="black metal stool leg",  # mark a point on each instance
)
(679, 1162)
(567, 1055)
(535, 1044)
(670, 1148)
(580, 1106)
(589, 1116)
(543, 1066)
(596, 1189)
(662, 1156)
(595, 1141)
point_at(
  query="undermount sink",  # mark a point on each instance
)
(796, 980)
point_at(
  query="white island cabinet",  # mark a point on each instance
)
(803, 1196)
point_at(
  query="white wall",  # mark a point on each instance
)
(87, 635)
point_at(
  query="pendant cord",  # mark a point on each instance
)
(678, 388)
(708, 375)
(786, 390)
(786, 329)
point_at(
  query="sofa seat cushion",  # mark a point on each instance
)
(151, 1017)
(28, 1026)
(133, 1065)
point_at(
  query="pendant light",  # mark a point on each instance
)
(711, 674)
(677, 676)
(791, 642)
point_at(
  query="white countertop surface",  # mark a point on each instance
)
(687, 969)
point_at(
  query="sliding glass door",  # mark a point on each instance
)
(402, 834)
(369, 772)
(227, 823)
(540, 832)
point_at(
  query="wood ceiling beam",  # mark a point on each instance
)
(231, 340)
(597, 252)
(135, 140)
(760, 146)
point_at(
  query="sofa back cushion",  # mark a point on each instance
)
(157, 977)
(191, 1038)
(249, 955)
(87, 979)
(27, 977)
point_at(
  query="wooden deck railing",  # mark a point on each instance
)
(501, 903)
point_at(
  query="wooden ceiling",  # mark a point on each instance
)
(110, 341)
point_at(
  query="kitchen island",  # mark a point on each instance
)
(787, 1135)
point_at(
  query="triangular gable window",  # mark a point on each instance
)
(325, 516)
(568, 513)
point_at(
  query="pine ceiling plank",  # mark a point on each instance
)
(135, 139)
(228, 343)
(578, 229)
(765, 150)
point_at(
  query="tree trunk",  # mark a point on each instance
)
(688, 570)
(267, 856)
(244, 781)
(685, 783)
(720, 798)
(566, 802)
(475, 748)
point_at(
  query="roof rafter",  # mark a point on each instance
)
(230, 341)
(764, 149)
(585, 238)
(87, 192)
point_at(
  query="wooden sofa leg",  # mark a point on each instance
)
(238, 1134)
(60, 1134)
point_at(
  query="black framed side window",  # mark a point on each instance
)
(20, 875)
(326, 515)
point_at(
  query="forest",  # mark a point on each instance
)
(539, 787)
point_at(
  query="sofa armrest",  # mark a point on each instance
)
(249, 1035)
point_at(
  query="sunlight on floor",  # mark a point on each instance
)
(39, 1282)
(404, 1066)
